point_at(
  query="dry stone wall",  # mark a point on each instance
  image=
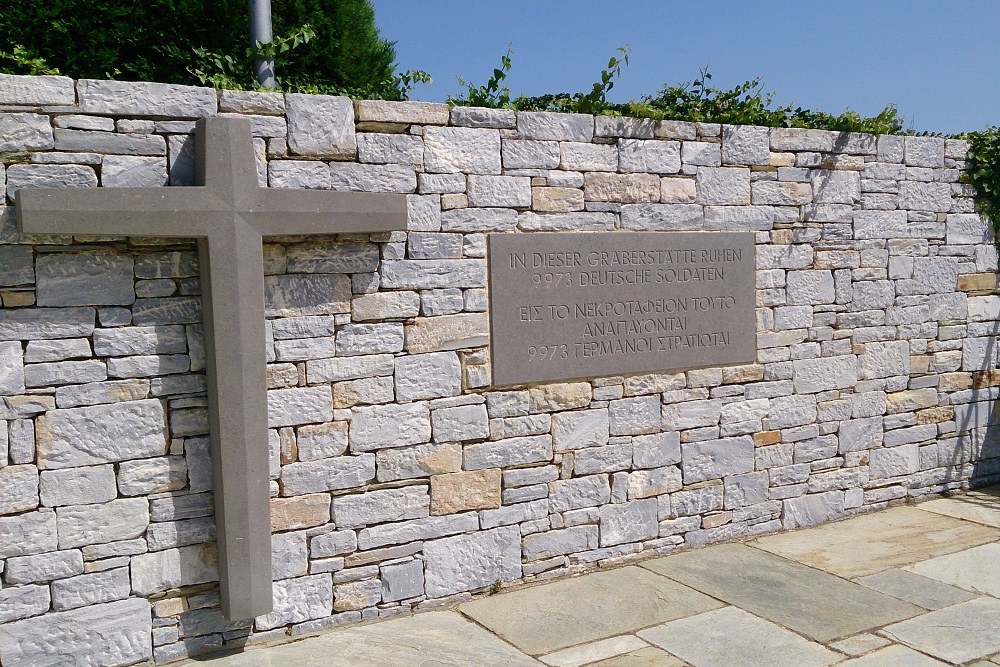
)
(400, 477)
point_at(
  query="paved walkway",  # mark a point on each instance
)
(909, 586)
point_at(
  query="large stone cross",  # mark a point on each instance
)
(228, 213)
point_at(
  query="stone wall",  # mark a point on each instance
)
(401, 478)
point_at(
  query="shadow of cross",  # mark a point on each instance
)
(228, 213)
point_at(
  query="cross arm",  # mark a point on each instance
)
(175, 212)
(293, 212)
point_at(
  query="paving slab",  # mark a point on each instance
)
(957, 634)
(599, 650)
(979, 506)
(809, 601)
(731, 636)
(976, 569)
(919, 590)
(433, 639)
(546, 618)
(894, 656)
(879, 541)
(860, 644)
(644, 657)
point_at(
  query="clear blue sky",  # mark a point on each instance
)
(938, 61)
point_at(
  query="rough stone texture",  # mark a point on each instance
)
(469, 150)
(470, 562)
(298, 600)
(97, 524)
(411, 502)
(379, 426)
(18, 489)
(100, 434)
(11, 369)
(461, 491)
(36, 90)
(712, 459)
(161, 570)
(320, 125)
(24, 131)
(108, 279)
(117, 633)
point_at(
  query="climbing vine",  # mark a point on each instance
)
(983, 173)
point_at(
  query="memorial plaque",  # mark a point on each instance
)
(567, 306)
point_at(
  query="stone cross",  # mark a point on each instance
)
(228, 213)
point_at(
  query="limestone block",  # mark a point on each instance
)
(427, 528)
(401, 581)
(83, 141)
(662, 217)
(460, 423)
(483, 117)
(657, 157)
(589, 221)
(629, 522)
(116, 633)
(49, 176)
(470, 562)
(331, 474)
(91, 589)
(919, 196)
(418, 461)
(701, 153)
(884, 359)
(355, 511)
(433, 245)
(423, 376)
(810, 287)
(124, 341)
(799, 139)
(482, 219)
(304, 349)
(512, 191)
(300, 405)
(576, 156)
(300, 512)
(350, 176)
(11, 369)
(98, 524)
(816, 375)
(739, 218)
(812, 509)
(836, 187)
(547, 126)
(171, 534)
(24, 132)
(168, 310)
(357, 595)
(654, 482)
(508, 452)
(129, 98)
(43, 568)
(745, 144)
(618, 126)
(350, 368)
(298, 600)
(894, 461)
(723, 185)
(390, 148)
(16, 265)
(18, 489)
(579, 492)
(156, 475)
(461, 149)
(100, 434)
(530, 154)
(635, 416)
(692, 414)
(78, 486)
(860, 434)
(931, 275)
(28, 533)
(125, 171)
(609, 458)
(65, 372)
(172, 568)
(677, 190)
(560, 396)
(968, 228)
(461, 491)
(332, 257)
(433, 274)
(320, 125)
(622, 188)
(654, 451)
(714, 459)
(252, 102)
(881, 225)
(551, 543)
(923, 151)
(381, 426)
(447, 332)
(310, 175)
(36, 90)
(289, 555)
(781, 193)
(336, 543)
(419, 113)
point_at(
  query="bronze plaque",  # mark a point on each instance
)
(579, 305)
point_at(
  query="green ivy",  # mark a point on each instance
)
(983, 173)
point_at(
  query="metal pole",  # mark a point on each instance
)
(260, 31)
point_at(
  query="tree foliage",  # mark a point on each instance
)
(170, 40)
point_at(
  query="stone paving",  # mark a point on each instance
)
(908, 586)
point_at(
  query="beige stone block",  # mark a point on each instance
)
(460, 491)
(977, 282)
(716, 520)
(300, 511)
(621, 188)
(936, 415)
(556, 200)
(739, 374)
(782, 160)
(447, 332)
(677, 190)
(764, 438)
(954, 381)
(562, 396)
(382, 111)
